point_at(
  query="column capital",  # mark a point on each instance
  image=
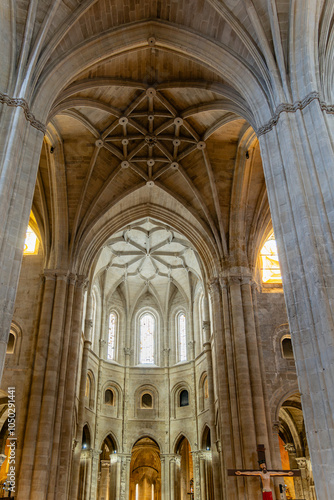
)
(96, 453)
(290, 448)
(49, 274)
(276, 426)
(213, 286)
(302, 462)
(86, 454)
(105, 464)
(82, 281)
(71, 279)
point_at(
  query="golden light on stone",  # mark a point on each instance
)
(30, 243)
(271, 272)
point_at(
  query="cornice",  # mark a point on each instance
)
(22, 103)
(292, 108)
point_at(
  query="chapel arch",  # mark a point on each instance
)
(85, 464)
(184, 474)
(207, 487)
(107, 484)
(145, 470)
(293, 447)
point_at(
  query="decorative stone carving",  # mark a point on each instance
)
(289, 447)
(292, 108)
(213, 286)
(22, 103)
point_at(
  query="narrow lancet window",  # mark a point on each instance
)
(112, 336)
(147, 325)
(182, 337)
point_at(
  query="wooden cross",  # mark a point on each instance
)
(263, 473)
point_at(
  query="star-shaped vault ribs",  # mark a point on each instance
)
(149, 251)
(150, 137)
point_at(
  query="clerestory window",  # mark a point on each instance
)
(147, 334)
(112, 335)
(182, 337)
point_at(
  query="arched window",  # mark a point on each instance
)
(112, 335)
(88, 386)
(85, 438)
(184, 398)
(11, 343)
(147, 400)
(182, 337)
(271, 272)
(287, 351)
(109, 397)
(93, 317)
(147, 331)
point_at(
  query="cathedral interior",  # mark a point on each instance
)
(166, 264)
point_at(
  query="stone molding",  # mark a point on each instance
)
(22, 103)
(292, 108)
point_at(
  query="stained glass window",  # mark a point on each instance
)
(147, 339)
(182, 337)
(271, 272)
(112, 336)
(31, 242)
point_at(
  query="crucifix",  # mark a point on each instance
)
(263, 473)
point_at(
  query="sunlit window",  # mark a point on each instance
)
(182, 337)
(271, 272)
(31, 242)
(147, 325)
(112, 336)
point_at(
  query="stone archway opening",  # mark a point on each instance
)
(145, 470)
(185, 479)
(107, 483)
(294, 449)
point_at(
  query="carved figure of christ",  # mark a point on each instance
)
(265, 476)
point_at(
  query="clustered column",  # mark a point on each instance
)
(58, 328)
